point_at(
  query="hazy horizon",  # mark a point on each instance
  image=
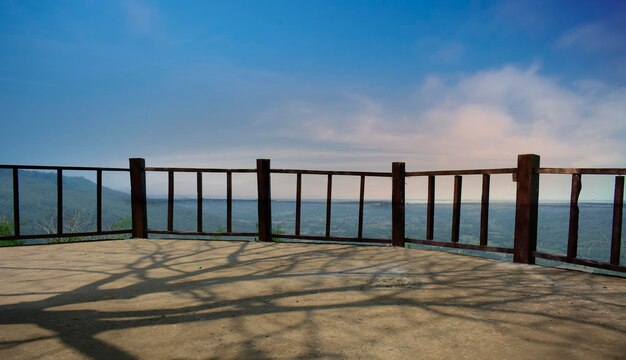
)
(345, 188)
(317, 85)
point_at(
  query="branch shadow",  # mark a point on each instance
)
(80, 294)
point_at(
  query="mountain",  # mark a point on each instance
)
(38, 202)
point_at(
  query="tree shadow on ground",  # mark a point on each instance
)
(97, 299)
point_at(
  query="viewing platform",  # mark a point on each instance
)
(188, 299)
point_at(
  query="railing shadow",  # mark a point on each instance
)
(82, 292)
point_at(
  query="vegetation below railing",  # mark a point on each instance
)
(6, 229)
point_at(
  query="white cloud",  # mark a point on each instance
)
(482, 120)
(485, 119)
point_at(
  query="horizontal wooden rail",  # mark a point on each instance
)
(200, 233)
(331, 172)
(67, 242)
(579, 261)
(69, 168)
(200, 170)
(583, 171)
(66, 235)
(332, 238)
(276, 236)
(462, 172)
(461, 245)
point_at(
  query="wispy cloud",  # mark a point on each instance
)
(141, 17)
(592, 37)
(440, 50)
(523, 15)
(449, 53)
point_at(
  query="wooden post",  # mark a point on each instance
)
(170, 201)
(574, 211)
(16, 202)
(229, 202)
(298, 201)
(264, 199)
(618, 204)
(456, 209)
(329, 196)
(59, 201)
(430, 212)
(98, 200)
(526, 208)
(138, 197)
(199, 201)
(397, 203)
(484, 211)
(361, 204)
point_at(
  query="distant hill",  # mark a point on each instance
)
(38, 208)
(38, 201)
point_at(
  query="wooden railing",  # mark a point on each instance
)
(17, 234)
(170, 200)
(572, 241)
(329, 185)
(456, 208)
(526, 174)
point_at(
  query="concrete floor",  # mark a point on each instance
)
(185, 299)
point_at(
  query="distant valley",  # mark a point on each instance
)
(38, 210)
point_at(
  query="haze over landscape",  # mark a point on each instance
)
(339, 85)
(330, 85)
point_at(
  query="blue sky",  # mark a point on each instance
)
(313, 84)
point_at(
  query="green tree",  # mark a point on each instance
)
(277, 230)
(220, 229)
(6, 229)
(123, 224)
